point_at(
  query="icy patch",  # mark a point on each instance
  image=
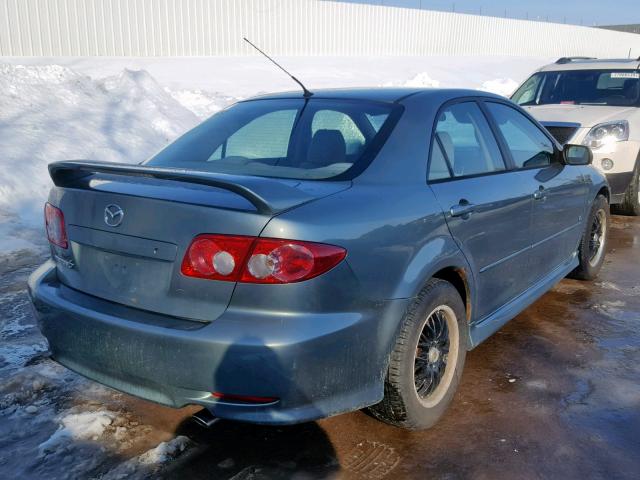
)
(611, 309)
(537, 384)
(500, 86)
(13, 307)
(608, 286)
(16, 355)
(78, 426)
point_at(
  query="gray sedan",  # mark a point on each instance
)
(297, 256)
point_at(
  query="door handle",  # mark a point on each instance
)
(463, 209)
(540, 194)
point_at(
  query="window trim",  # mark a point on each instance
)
(503, 141)
(452, 178)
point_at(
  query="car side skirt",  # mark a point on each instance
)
(483, 329)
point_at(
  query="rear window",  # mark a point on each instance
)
(285, 138)
(581, 87)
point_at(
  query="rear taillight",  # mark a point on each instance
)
(216, 257)
(54, 223)
(258, 260)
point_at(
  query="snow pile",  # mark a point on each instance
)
(78, 426)
(421, 80)
(165, 451)
(50, 113)
(500, 86)
(202, 103)
(143, 465)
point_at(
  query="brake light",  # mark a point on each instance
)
(54, 223)
(258, 260)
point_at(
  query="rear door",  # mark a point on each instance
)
(486, 206)
(559, 191)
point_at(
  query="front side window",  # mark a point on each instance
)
(581, 87)
(285, 138)
(463, 144)
(529, 147)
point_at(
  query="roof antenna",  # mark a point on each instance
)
(306, 93)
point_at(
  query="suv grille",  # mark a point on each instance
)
(562, 134)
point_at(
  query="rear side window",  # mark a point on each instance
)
(529, 147)
(463, 144)
(285, 138)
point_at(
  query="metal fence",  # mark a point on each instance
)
(282, 27)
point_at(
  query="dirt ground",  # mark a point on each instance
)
(554, 394)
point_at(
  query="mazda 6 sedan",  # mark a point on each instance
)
(299, 256)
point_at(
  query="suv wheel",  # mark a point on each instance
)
(426, 364)
(631, 203)
(593, 244)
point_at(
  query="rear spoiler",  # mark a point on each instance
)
(267, 195)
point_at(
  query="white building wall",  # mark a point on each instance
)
(282, 27)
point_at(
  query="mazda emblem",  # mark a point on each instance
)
(113, 215)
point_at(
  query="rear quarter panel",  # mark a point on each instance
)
(396, 237)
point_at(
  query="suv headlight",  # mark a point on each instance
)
(606, 133)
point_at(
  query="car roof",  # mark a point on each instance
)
(582, 63)
(381, 94)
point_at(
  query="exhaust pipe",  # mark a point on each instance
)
(204, 418)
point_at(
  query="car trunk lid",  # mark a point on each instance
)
(129, 227)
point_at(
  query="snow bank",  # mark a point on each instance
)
(50, 113)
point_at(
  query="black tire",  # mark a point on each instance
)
(591, 260)
(402, 405)
(631, 203)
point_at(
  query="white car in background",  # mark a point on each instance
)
(593, 102)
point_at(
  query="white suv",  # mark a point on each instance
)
(593, 102)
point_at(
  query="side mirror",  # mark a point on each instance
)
(577, 155)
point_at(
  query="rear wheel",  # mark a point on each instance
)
(593, 244)
(631, 203)
(427, 362)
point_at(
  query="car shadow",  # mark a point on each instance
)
(242, 450)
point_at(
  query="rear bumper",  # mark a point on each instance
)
(316, 365)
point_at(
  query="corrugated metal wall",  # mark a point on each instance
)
(282, 27)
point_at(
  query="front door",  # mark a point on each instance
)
(487, 207)
(558, 190)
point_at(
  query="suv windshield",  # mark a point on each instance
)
(285, 138)
(581, 87)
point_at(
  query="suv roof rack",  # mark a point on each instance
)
(562, 60)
